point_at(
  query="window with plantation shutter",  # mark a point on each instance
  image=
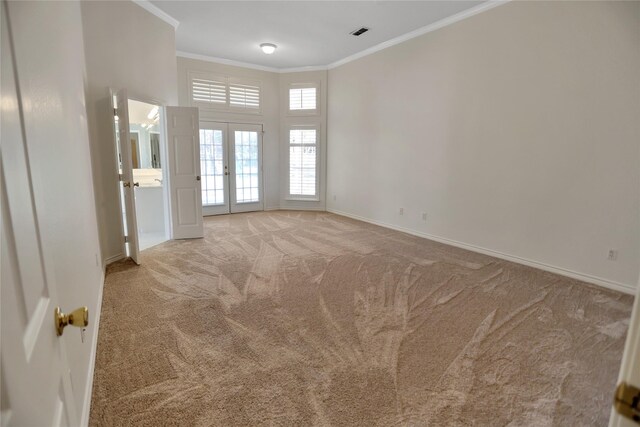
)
(208, 91)
(244, 96)
(303, 161)
(224, 93)
(303, 98)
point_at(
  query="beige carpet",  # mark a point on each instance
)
(296, 319)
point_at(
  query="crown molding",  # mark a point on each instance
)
(224, 61)
(303, 69)
(155, 10)
(234, 63)
(483, 7)
(490, 4)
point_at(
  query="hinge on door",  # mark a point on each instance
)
(126, 239)
(120, 177)
(115, 112)
(627, 401)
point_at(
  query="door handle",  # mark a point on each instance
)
(78, 318)
(136, 184)
(197, 177)
(126, 184)
(226, 173)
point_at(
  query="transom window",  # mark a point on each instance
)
(224, 93)
(303, 98)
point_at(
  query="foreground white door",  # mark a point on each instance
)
(183, 144)
(36, 382)
(123, 139)
(630, 367)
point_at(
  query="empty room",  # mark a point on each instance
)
(320, 213)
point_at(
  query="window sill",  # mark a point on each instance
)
(302, 199)
(303, 113)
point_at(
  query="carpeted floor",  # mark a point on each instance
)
(301, 318)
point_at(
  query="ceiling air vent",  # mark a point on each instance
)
(359, 31)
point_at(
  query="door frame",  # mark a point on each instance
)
(163, 162)
(228, 123)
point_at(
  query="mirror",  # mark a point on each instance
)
(135, 138)
(144, 128)
(154, 138)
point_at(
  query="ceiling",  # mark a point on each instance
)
(308, 33)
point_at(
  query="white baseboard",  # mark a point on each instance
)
(112, 259)
(295, 208)
(605, 283)
(86, 409)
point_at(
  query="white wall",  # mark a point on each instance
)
(517, 130)
(126, 47)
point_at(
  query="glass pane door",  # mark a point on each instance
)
(246, 167)
(214, 168)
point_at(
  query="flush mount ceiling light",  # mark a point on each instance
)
(268, 48)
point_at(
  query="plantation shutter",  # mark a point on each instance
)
(303, 155)
(303, 98)
(208, 91)
(244, 96)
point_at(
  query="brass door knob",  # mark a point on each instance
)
(78, 318)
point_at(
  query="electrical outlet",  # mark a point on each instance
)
(613, 255)
(401, 211)
(424, 216)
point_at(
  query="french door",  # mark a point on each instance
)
(231, 167)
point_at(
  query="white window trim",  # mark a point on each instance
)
(227, 80)
(314, 112)
(297, 197)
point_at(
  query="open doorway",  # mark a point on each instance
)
(144, 176)
(148, 186)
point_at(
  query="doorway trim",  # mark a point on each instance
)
(163, 161)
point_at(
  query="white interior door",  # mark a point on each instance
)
(183, 142)
(630, 366)
(36, 383)
(124, 140)
(245, 167)
(214, 166)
